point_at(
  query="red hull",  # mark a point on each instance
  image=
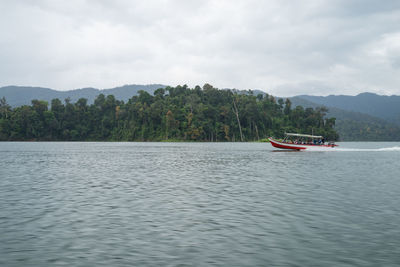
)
(282, 145)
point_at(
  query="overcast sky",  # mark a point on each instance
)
(282, 47)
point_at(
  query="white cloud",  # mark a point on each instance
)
(282, 47)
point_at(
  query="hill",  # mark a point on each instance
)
(23, 95)
(173, 113)
(356, 126)
(355, 115)
(381, 106)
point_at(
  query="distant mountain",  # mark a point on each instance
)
(338, 113)
(356, 126)
(20, 95)
(385, 107)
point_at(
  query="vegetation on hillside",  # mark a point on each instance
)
(353, 130)
(172, 113)
(381, 106)
(355, 126)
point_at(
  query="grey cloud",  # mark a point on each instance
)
(283, 47)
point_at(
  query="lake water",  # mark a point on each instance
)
(198, 204)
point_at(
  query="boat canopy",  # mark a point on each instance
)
(304, 135)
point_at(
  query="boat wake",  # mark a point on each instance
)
(343, 149)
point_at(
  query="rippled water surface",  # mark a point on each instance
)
(198, 204)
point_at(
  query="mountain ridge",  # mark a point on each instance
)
(23, 95)
(356, 126)
(381, 106)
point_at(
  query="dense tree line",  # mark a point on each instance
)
(353, 130)
(173, 113)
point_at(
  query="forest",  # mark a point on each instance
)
(171, 114)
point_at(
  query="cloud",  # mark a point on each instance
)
(282, 47)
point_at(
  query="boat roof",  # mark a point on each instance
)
(304, 135)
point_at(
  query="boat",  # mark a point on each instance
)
(297, 141)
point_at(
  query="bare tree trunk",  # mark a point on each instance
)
(258, 137)
(238, 120)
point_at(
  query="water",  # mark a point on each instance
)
(198, 204)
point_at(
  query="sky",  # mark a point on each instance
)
(283, 47)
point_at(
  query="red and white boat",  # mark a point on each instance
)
(301, 142)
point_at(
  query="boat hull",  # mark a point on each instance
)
(292, 146)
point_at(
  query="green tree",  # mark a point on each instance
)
(178, 113)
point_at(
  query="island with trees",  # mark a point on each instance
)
(171, 114)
